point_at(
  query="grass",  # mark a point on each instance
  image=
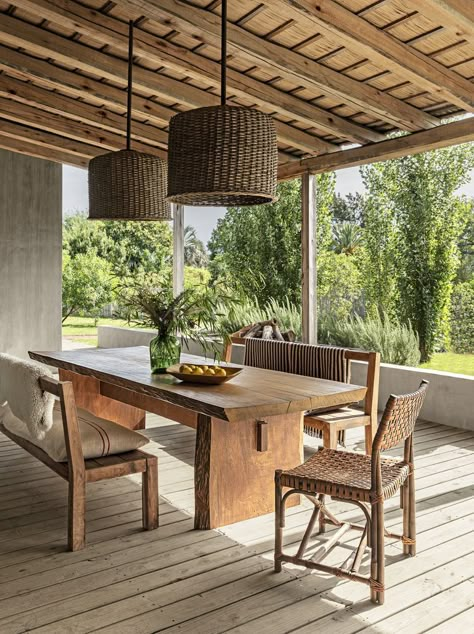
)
(84, 329)
(452, 362)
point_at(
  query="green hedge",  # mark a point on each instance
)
(462, 318)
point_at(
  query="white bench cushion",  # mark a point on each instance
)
(99, 437)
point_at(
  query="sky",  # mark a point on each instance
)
(204, 219)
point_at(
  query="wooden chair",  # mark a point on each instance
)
(333, 425)
(78, 471)
(366, 481)
(299, 358)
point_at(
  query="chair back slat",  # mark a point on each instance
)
(267, 354)
(322, 362)
(399, 418)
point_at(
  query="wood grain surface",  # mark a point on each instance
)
(254, 393)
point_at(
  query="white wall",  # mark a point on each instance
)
(30, 254)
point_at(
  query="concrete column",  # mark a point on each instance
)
(30, 254)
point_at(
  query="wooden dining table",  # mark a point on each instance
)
(245, 428)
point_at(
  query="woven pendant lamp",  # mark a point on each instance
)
(222, 155)
(128, 185)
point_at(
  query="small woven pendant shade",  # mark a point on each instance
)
(128, 185)
(222, 155)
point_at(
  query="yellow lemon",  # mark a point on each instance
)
(205, 367)
(198, 371)
(209, 372)
(220, 372)
(186, 370)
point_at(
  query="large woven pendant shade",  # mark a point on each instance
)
(222, 155)
(128, 185)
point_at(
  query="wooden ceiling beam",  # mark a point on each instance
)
(442, 136)
(48, 140)
(110, 31)
(204, 26)
(22, 146)
(96, 119)
(38, 41)
(383, 49)
(456, 14)
(50, 76)
(69, 128)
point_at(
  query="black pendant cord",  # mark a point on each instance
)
(224, 53)
(130, 83)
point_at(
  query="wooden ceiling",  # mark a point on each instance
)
(332, 74)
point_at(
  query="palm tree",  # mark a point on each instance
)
(347, 237)
(194, 249)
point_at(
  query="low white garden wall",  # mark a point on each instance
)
(449, 401)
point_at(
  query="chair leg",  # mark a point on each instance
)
(279, 522)
(330, 434)
(377, 568)
(76, 515)
(411, 514)
(150, 513)
(322, 523)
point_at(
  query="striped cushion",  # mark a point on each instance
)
(267, 354)
(322, 362)
(99, 437)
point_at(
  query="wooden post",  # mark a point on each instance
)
(178, 249)
(308, 249)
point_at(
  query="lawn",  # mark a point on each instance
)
(84, 329)
(452, 362)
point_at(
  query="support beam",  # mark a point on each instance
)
(308, 248)
(442, 136)
(383, 49)
(108, 30)
(178, 249)
(204, 27)
(40, 42)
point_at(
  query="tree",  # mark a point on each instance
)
(347, 238)
(87, 284)
(128, 246)
(348, 208)
(257, 250)
(413, 224)
(194, 249)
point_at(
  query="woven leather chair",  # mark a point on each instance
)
(366, 481)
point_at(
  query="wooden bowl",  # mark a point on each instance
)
(207, 379)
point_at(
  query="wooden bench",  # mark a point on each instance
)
(78, 472)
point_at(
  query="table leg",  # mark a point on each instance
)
(88, 396)
(233, 480)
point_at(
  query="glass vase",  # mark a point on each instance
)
(164, 351)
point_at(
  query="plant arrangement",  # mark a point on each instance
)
(193, 314)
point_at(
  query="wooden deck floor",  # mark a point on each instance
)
(180, 580)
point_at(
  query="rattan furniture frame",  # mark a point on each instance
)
(366, 481)
(78, 472)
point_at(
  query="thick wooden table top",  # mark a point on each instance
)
(254, 393)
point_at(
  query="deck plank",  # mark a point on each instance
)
(212, 582)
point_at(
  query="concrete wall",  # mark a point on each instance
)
(30, 254)
(449, 401)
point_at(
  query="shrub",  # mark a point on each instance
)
(247, 312)
(462, 318)
(397, 343)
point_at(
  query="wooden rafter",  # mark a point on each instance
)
(384, 49)
(442, 136)
(202, 24)
(40, 42)
(110, 31)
